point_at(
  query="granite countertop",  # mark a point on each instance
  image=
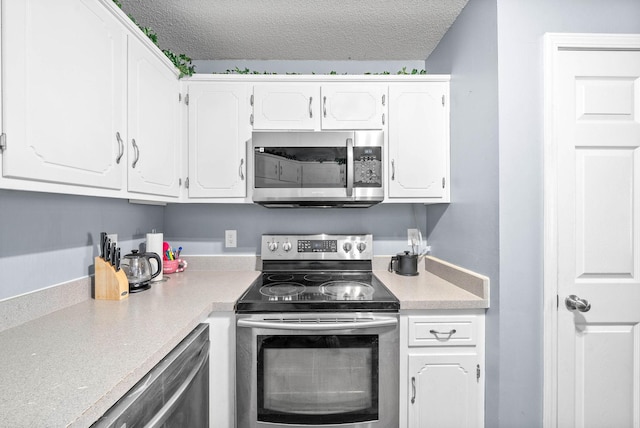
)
(68, 367)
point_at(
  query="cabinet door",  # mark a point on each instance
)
(290, 171)
(64, 92)
(443, 391)
(419, 141)
(353, 106)
(153, 141)
(219, 129)
(286, 106)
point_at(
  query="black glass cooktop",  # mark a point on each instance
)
(317, 291)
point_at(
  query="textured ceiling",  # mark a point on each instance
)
(298, 29)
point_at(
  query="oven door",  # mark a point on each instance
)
(317, 370)
(317, 168)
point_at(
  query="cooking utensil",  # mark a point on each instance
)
(139, 271)
(405, 264)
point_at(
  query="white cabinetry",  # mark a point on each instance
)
(153, 138)
(219, 130)
(309, 106)
(418, 162)
(64, 92)
(222, 369)
(442, 369)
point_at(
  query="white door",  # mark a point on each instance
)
(286, 106)
(218, 133)
(353, 106)
(153, 141)
(64, 92)
(596, 127)
(418, 141)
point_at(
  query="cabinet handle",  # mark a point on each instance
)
(413, 390)
(393, 169)
(240, 169)
(324, 106)
(438, 334)
(135, 147)
(251, 100)
(310, 109)
(251, 119)
(120, 147)
(383, 99)
(383, 118)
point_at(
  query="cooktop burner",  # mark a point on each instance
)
(317, 273)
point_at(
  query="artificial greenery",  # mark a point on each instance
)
(245, 70)
(180, 61)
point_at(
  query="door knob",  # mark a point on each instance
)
(574, 303)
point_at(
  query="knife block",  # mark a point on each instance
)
(109, 284)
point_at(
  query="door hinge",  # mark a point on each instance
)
(443, 101)
(478, 373)
(3, 142)
(186, 183)
(186, 99)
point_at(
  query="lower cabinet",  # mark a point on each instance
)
(222, 369)
(442, 369)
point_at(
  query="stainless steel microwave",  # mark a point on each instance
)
(318, 169)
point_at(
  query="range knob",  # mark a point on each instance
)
(361, 246)
(273, 245)
(286, 246)
(347, 246)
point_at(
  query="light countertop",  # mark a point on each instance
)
(70, 366)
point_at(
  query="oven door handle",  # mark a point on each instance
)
(314, 325)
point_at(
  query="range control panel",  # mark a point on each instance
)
(317, 247)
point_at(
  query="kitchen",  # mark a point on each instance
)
(495, 227)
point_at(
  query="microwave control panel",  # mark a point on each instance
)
(367, 166)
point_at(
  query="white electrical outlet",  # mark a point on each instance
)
(230, 239)
(413, 237)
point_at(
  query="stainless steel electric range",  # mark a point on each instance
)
(317, 337)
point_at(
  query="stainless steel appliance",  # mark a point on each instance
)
(318, 169)
(317, 337)
(175, 393)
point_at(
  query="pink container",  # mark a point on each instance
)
(172, 266)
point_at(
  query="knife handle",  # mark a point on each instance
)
(103, 238)
(118, 260)
(113, 254)
(107, 248)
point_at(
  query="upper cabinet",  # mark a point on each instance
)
(65, 118)
(418, 161)
(153, 140)
(315, 106)
(219, 130)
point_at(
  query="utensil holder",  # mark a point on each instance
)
(109, 283)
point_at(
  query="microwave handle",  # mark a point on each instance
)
(350, 168)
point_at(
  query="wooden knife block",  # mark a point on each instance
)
(109, 284)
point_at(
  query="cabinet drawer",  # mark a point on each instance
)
(442, 331)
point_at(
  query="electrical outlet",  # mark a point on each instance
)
(230, 239)
(413, 237)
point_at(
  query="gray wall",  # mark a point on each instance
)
(514, 345)
(521, 26)
(307, 67)
(199, 228)
(47, 239)
(466, 231)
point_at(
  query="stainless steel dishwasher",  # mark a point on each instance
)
(175, 393)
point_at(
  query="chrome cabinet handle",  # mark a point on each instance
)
(310, 109)
(324, 106)
(120, 147)
(251, 119)
(413, 389)
(438, 334)
(383, 99)
(575, 303)
(240, 169)
(393, 169)
(135, 147)
(383, 118)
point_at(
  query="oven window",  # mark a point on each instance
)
(317, 379)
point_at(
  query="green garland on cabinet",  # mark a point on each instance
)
(180, 61)
(332, 73)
